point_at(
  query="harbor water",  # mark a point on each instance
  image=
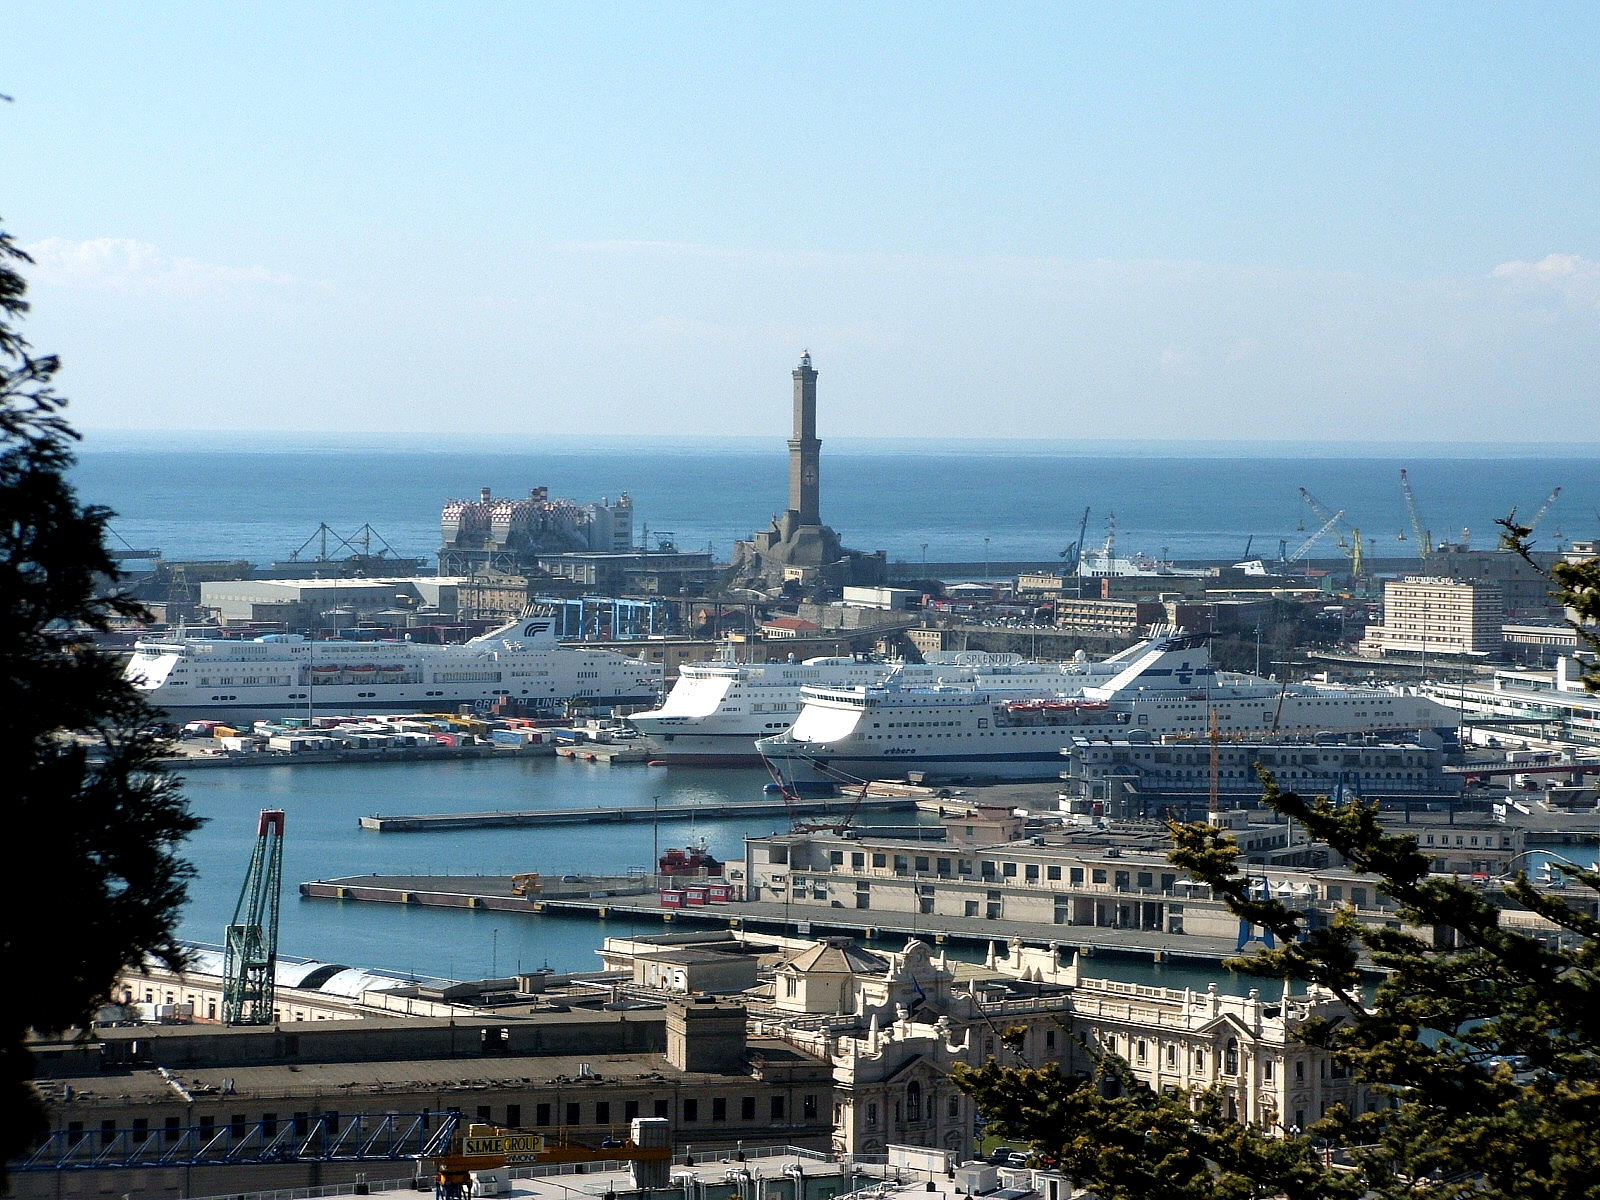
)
(324, 804)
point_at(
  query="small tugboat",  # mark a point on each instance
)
(692, 860)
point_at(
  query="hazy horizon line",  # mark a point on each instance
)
(282, 441)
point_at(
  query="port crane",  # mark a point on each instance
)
(1543, 509)
(250, 959)
(1351, 545)
(1424, 536)
(1305, 546)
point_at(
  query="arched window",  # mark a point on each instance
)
(1230, 1057)
(872, 1115)
(913, 1101)
(954, 1108)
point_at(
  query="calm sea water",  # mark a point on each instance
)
(323, 840)
(248, 498)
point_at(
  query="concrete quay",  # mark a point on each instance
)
(524, 818)
(636, 897)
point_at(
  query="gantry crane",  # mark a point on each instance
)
(1424, 536)
(250, 959)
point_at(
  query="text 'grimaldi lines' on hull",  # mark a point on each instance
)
(286, 672)
(1164, 686)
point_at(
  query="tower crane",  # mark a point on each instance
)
(251, 957)
(1424, 536)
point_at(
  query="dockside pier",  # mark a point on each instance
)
(525, 818)
(635, 897)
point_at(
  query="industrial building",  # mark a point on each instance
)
(1433, 615)
(1138, 776)
(331, 603)
(499, 534)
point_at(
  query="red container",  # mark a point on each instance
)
(671, 898)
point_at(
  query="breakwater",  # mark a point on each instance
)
(733, 810)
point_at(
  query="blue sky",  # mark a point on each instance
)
(1328, 221)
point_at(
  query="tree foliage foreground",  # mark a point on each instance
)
(1478, 1046)
(93, 881)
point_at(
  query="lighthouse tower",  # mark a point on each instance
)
(805, 451)
(799, 548)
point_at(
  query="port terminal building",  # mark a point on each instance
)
(835, 1047)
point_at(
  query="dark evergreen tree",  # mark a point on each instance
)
(93, 881)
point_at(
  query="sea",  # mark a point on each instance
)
(262, 497)
(239, 494)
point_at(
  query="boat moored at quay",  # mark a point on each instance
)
(1166, 685)
(521, 660)
(716, 711)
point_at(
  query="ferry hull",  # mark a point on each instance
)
(703, 750)
(836, 768)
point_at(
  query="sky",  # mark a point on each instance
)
(1229, 221)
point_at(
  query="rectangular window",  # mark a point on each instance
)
(1052, 872)
(602, 1113)
(747, 1108)
(775, 1108)
(880, 860)
(661, 1110)
(572, 1113)
(1075, 876)
(541, 1114)
(1099, 876)
(173, 1129)
(513, 1115)
(808, 1108)
(719, 1108)
(691, 1110)
(922, 862)
(630, 1109)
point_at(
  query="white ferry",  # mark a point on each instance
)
(716, 710)
(289, 673)
(1166, 685)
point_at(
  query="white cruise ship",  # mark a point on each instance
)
(1165, 685)
(716, 710)
(287, 673)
